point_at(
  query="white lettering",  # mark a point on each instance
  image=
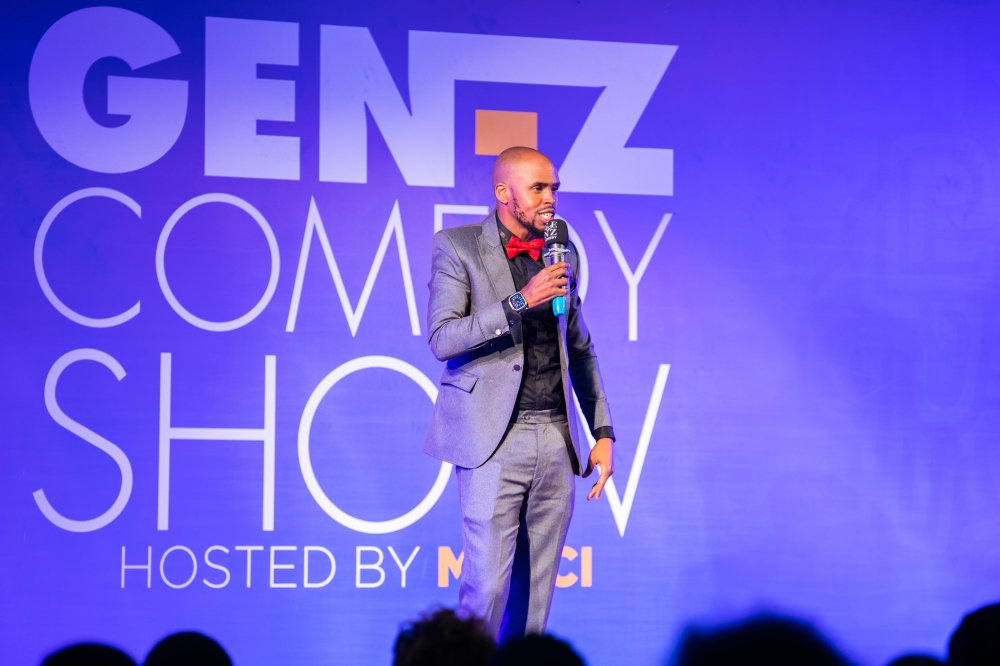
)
(274, 565)
(394, 226)
(422, 138)
(305, 566)
(403, 567)
(250, 550)
(305, 460)
(621, 509)
(353, 77)
(235, 99)
(156, 107)
(218, 566)
(43, 282)
(631, 278)
(161, 271)
(148, 566)
(376, 566)
(169, 432)
(194, 567)
(89, 436)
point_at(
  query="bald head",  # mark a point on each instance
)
(525, 184)
(511, 161)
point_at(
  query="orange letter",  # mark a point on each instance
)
(448, 562)
(570, 578)
(586, 567)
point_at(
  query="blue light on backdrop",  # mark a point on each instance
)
(214, 254)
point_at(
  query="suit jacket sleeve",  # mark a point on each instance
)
(453, 327)
(584, 372)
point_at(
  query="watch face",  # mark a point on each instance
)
(517, 302)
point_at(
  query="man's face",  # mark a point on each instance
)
(533, 193)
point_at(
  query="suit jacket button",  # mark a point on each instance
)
(497, 331)
(517, 368)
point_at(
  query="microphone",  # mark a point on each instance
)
(556, 248)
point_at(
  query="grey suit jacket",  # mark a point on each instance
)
(468, 327)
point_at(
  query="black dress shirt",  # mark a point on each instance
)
(541, 377)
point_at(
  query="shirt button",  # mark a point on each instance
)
(497, 331)
(517, 368)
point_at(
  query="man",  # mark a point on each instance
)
(505, 415)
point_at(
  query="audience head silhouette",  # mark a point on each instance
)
(188, 648)
(536, 651)
(88, 654)
(443, 639)
(762, 639)
(916, 660)
(976, 642)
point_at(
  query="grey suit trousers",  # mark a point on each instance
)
(516, 510)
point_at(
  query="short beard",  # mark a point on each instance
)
(522, 218)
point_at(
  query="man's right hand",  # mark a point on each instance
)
(548, 283)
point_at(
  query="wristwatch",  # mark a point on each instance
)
(517, 303)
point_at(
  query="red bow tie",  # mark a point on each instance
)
(515, 246)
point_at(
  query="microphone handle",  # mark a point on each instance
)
(554, 256)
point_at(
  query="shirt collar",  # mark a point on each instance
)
(504, 231)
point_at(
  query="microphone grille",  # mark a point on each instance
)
(556, 232)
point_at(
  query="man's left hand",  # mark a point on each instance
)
(603, 457)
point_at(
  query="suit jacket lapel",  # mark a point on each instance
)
(493, 258)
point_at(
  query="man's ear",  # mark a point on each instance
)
(501, 193)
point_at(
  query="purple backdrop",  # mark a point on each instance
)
(791, 233)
